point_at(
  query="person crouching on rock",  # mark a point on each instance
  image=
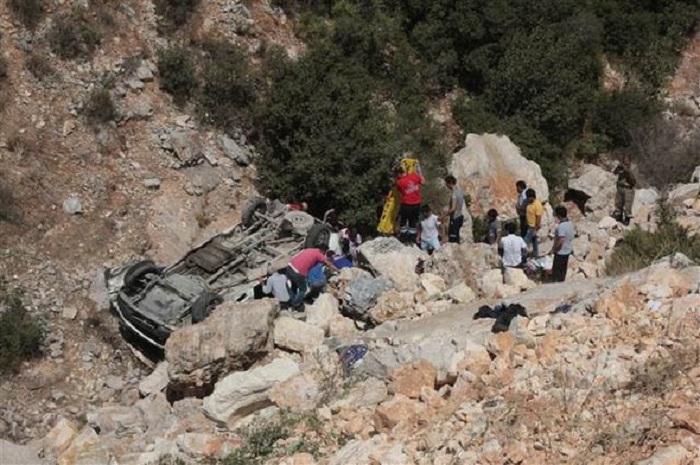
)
(429, 232)
(298, 268)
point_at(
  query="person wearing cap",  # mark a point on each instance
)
(298, 268)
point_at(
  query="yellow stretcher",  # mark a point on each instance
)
(390, 213)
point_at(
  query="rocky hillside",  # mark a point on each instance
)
(98, 166)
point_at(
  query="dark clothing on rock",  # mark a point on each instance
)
(503, 315)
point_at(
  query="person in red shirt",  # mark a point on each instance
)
(409, 185)
(299, 266)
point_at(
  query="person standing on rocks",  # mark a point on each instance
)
(563, 244)
(493, 232)
(625, 191)
(512, 248)
(409, 185)
(533, 217)
(298, 268)
(520, 204)
(455, 212)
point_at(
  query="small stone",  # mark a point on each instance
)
(151, 183)
(69, 313)
(144, 72)
(73, 205)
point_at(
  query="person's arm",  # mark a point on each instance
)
(630, 177)
(452, 208)
(558, 242)
(266, 287)
(538, 218)
(330, 265)
(500, 248)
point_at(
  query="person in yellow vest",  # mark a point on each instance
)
(533, 216)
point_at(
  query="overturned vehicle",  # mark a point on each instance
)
(152, 302)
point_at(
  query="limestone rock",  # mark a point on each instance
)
(185, 145)
(61, 435)
(242, 393)
(155, 382)
(233, 151)
(488, 168)
(598, 184)
(361, 295)
(296, 335)
(321, 311)
(516, 277)
(433, 285)
(205, 445)
(670, 455)
(231, 338)
(393, 260)
(15, 454)
(399, 410)
(688, 418)
(298, 393)
(461, 293)
(490, 282)
(410, 378)
(392, 306)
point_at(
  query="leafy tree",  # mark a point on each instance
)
(324, 139)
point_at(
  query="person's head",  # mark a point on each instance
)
(492, 214)
(510, 227)
(520, 186)
(561, 212)
(323, 248)
(304, 206)
(450, 181)
(425, 210)
(626, 160)
(530, 195)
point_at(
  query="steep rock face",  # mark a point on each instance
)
(599, 185)
(232, 338)
(488, 167)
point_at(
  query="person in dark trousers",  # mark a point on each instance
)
(409, 185)
(520, 204)
(455, 211)
(625, 191)
(298, 268)
(563, 244)
(533, 217)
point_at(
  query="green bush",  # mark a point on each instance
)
(258, 442)
(227, 92)
(29, 12)
(99, 108)
(174, 13)
(639, 249)
(619, 113)
(21, 335)
(74, 35)
(177, 73)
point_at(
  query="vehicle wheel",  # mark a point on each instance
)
(202, 307)
(256, 204)
(133, 279)
(300, 222)
(318, 234)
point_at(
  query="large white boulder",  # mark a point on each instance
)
(393, 260)
(488, 167)
(244, 392)
(297, 336)
(598, 184)
(321, 311)
(197, 355)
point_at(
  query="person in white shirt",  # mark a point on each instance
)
(512, 248)
(276, 285)
(428, 235)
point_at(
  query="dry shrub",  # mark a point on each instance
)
(29, 12)
(38, 66)
(99, 108)
(660, 374)
(75, 35)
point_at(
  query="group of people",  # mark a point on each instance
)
(418, 223)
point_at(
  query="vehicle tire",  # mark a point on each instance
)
(133, 279)
(202, 307)
(300, 222)
(317, 235)
(248, 214)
